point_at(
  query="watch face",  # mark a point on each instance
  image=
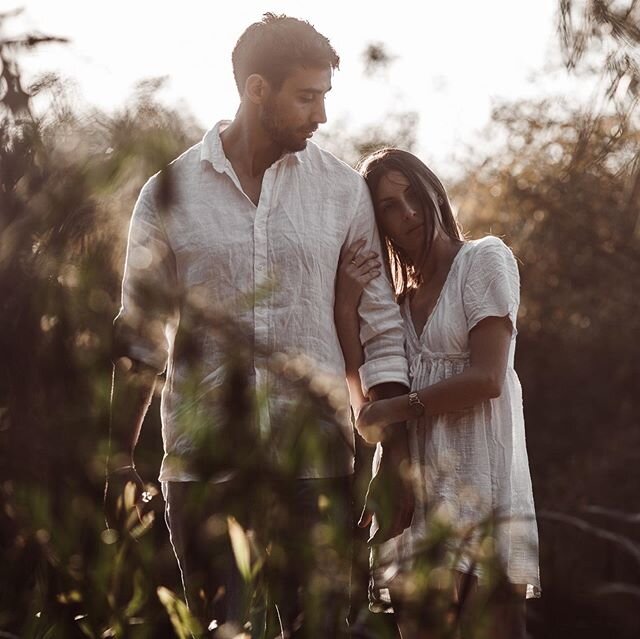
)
(416, 405)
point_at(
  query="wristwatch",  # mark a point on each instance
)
(415, 405)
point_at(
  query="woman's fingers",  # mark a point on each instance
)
(349, 256)
(355, 256)
(362, 259)
(364, 278)
(357, 268)
(372, 274)
(369, 265)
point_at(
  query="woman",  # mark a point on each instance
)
(459, 301)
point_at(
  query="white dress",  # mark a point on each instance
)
(470, 463)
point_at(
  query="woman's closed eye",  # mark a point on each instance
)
(412, 200)
(386, 207)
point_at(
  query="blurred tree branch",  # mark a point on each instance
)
(377, 58)
(608, 31)
(14, 98)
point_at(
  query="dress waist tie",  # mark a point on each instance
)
(425, 355)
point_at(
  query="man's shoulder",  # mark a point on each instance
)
(180, 169)
(188, 160)
(334, 166)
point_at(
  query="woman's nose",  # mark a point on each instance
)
(409, 211)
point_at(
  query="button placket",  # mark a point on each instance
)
(260, 301)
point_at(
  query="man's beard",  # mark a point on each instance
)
(289, 139)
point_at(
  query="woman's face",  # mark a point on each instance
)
(399, 212)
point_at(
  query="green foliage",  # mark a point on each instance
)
(604, 35)
(67, 187)
(559, 193)
(562, 190)
(183, 623)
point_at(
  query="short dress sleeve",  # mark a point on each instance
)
(492, 286)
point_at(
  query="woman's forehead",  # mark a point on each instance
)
(391, 181)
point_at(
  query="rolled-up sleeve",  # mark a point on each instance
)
(381, 332)
(148, 311)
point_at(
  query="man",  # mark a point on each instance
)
(251, 222)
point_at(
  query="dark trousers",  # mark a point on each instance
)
(291, 570)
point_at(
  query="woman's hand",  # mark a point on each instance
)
(373, 418)
(355, 270)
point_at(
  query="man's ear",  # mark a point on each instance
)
(256, 88)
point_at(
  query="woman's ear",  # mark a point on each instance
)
(256, 88)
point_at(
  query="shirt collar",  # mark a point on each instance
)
(212, 151)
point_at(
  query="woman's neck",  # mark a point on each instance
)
(438, 261)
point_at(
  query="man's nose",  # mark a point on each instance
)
(320, 113)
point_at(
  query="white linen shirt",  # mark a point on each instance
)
(273, 268)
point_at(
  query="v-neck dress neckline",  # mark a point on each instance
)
(453, 266)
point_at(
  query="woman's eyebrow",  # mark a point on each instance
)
(391, 197)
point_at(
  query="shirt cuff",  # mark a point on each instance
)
(382, 371)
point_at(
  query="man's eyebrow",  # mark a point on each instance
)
(314, 90)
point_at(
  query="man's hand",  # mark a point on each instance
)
(128, 502)
(390, 498)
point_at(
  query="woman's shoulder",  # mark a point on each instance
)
(486, 259)
(490, 250)
(489, 243)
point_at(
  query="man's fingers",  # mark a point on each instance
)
(365, 518)
(399, 522)
(385, 532)
(392, 502)
(113, 503)
(127, 500)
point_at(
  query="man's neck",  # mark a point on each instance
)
(247, 146)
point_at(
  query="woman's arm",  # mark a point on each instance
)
(354, 272)
(489, 343)
(348, 327)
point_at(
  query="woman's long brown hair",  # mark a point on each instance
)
(404, 274)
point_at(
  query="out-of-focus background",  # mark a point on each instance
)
(529, 113)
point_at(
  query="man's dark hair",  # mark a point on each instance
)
(276, 45)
